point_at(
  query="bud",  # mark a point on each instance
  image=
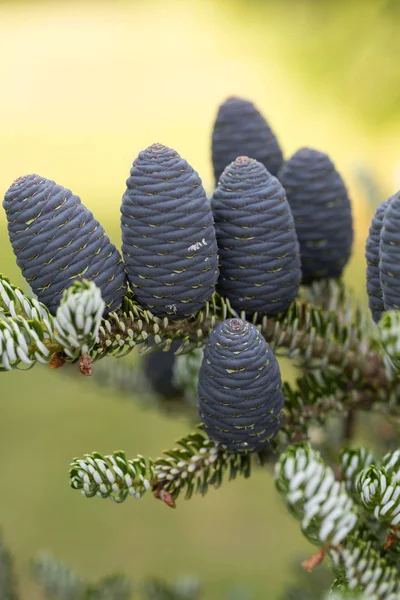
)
(259, 254)
(322, 213)
(241, 130)
(239, 390)
(168, 235)
(56, 241)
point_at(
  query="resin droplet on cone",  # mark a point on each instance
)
(389, 265)
(57, 241)
(374, 288)
(322, 213)
(168, 236)
(239, 390)
(241, 130)
(259, 253)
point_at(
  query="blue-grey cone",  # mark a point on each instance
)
(159, 371)
(259, 253)
(57, 241)
(374, 288)
(241, 130)
(168, 236)
(240, 394)
(389, 264)
(322, 213)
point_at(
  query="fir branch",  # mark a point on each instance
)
(314, 497)
(379, 491)
(58, 581)
(78, 318)
(314, 396)
(14, 303)
(8, 582)
(114, 587)
(316, 336)
(389, 332)
(192, 467)
(23, 343)
(365, 570)
(187, 588)
(352, 462)
(111, 476)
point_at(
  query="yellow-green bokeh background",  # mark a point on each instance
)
(84, 86)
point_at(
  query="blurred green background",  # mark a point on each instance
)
(85, 86)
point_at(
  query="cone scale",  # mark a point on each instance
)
(260, 267)
(168, 236)
(240, 395)
(322, 213)
(241, 130)
(57, 241)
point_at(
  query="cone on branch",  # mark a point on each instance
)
(374, 288)
(57, 241)
(389, 253)
(168, 235)
(322, 213)
(241, 130)
(240, 394)
(259, 253)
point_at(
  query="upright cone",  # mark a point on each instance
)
(389, 265)
(239, 390)
(241, 130)
(56, 241)
(322, 213)
(168, 236)
(374, 288)
(259, 253)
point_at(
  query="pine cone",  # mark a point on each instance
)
(168, 235)
(241, 130)
(240, 391)
(259, 254)
(322, 213)
(57, 241)
(389, 265)
(374, 289)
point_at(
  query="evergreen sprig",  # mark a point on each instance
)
(319, 338)
(59, 582)
(352, 462)
(78, 318)
(57, 579)
(378, 488)
(195, 464)
(365, 571)
(314, 497)
(112, 476)
(8, 582)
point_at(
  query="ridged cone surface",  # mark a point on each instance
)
(241, 130)
(389, 264)
(322, 213)
(259, 253)
(239, 390)
(374, 289)
(57, 240)
(168, 235)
